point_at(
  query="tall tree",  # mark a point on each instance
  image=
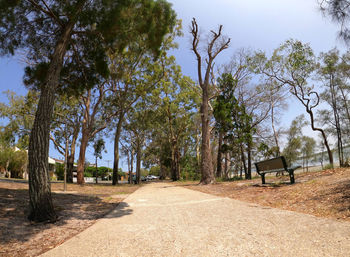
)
(294, 140)
(217, 43)
(308, 149)
(47, 30)
(99, 146)
(66, 126)
(339, 11)
(293, 64)
(330, 76)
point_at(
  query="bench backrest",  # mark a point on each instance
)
(278, 163)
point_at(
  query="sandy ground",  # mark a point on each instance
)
(164, 220)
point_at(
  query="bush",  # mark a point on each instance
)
(328, 167)
(59, 167)
(154, 170)
(101, 172)
(190, 175)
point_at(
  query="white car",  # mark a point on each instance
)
(151, 177)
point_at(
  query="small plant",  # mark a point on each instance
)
(328, 167)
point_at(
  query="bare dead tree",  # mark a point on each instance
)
(216, 44)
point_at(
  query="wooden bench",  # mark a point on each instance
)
(275, 165)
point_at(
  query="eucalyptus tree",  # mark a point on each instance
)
(292, 150)
(134, 72)
(242, 105)
(99, 147)
(138, 124)
(217, 43)
(293, 65)
(174, 101)
(331, 77)
(308, 149)
(19, 114)
(48, 31)
(65, 129)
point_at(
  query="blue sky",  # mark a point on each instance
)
(253, 24)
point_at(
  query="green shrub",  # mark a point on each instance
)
(328, 167)
(59, 167)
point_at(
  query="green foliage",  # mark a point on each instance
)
(308, 147)
(293, 148)
(230, 114)
(101, 172)
(13, 161)
(154, 170)
(190, 175)
(328, 167)
(59, 167)
(268, 152)
(99, 146)
(20, 115)
(339, 11)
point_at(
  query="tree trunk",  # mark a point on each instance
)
(82, 152)
(330, 155)
(131, 166)
(70, 167)
(337, 120)
(249, 160)
(41, 207)
(138, 163)
(96, 170)
(71, 156)
(161, 172)
(226, 166)
(274, 131)
(177, 163)
(198, 151)
(219, 159)
(40, 201)
(116, 149)
(206, 160)
(244, 165)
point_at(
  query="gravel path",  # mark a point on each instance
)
(164, 220)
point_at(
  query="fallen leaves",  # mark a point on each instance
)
(323, 194)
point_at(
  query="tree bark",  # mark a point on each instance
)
(274, 130)
(70, 167)
(212, 51)
(41, 207)
(71, 156)
(249, 160)
(206, 160)
(219, 159)
(82, 152)
(244, 165)
(161, 172)
(138, 163)
(116, 149)
(330, 155)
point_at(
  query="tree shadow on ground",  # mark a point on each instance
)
(14, 225)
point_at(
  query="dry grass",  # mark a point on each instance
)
(78, 208)
(322, 194)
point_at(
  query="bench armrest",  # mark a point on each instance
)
(294, 167)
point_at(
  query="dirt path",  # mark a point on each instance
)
(164, 220)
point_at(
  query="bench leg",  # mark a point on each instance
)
(263, 178)
(291, 175)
